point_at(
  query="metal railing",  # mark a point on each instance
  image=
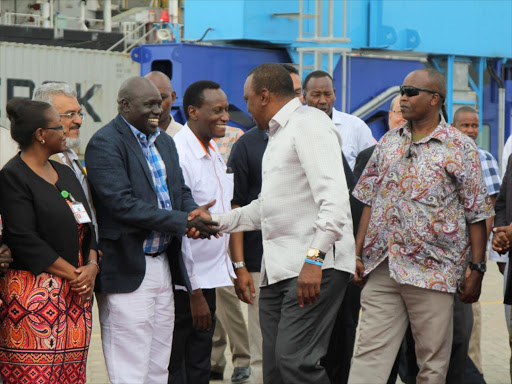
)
(11, 18)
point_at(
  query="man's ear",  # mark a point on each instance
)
(192, 112)
(265, 96)
(173, 97)
(125, 105)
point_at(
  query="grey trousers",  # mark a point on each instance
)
(294, 338)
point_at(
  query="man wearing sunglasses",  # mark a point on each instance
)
(63, 98)
(424, 193)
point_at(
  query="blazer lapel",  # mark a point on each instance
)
(132, 143)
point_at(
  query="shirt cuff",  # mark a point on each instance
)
(323, 241)
(194, 283)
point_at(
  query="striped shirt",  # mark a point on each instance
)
(156, 241)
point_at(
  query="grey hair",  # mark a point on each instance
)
(45, 91)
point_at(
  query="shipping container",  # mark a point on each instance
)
(96, 76)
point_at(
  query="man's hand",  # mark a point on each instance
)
(202, 228)
(359, 280)
(244, 285)
(308, 284)
(471, 287)
(203, 211)
(502, 239)
(201, 315)
(5, 258)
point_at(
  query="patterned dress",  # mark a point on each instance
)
(44, 328)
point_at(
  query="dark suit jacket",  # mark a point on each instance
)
(503, 208)
(38, 224)
(127, 209)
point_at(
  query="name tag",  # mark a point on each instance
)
(81, 215)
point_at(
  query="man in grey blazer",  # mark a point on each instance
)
(143, 208)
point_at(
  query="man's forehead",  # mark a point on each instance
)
(466, 115)
(320, 83)
(418, 79)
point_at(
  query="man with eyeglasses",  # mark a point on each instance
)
(425, 209)
(64, 100)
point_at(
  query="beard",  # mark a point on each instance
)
(73, 142)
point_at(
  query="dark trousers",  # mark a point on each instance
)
(343, 337)
(191, 349)
(294, 338)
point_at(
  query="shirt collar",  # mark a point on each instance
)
(141, 137)
(336, 117)
(439, 133)
(197, 147)
(70, 153)
(263, 133)
(283, 115)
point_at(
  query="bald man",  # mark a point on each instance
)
(424, 182)
(166, 122)
(142, 206)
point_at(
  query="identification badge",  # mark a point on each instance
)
(81, 215)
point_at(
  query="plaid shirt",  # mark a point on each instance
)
(156, 241)
(490, 172)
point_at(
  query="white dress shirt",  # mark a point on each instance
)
(73, 158)
(355, 134)
(173, 128)
(304, 200)
(207, 261)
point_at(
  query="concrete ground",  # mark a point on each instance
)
(495, 347)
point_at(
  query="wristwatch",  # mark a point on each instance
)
(480, 267)
(312, 252)
(239, 264)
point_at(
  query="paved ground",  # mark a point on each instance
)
(495, 348)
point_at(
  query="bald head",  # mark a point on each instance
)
(139, 102)
(163, 83)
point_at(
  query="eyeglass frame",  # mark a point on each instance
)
(403, 92)
(71, 115)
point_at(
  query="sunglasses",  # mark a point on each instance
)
(59, 128)
(410, 91)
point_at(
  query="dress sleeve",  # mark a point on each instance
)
(20, 223)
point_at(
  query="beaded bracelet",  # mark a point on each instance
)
(314, 262)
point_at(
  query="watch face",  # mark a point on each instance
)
(483, 267)
(311, 252)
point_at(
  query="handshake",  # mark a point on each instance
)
(200, 224)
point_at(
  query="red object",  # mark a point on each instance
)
(164, 16)
(31, 19)
(36, 7)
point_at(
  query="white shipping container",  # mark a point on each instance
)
(96, 76)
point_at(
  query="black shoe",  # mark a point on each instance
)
(216, 376)
(241, 375)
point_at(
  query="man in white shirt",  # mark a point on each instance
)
(303, 209)
(355, 134)
(64, 100)
(163, 83)
(207, 261)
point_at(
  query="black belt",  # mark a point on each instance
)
(156, 253)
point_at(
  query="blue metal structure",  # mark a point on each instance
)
(186, 63)
(444, 32)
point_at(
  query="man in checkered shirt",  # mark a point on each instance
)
(467, 121)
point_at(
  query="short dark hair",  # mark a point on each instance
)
(26, 117)
(291, 69)
(194, 95)
(316, 75)
(465, 108)
(273, 77)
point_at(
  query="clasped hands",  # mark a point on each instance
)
(200, 224)
(502, 239)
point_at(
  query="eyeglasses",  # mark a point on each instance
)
(59, 128)
(72, 115)
(411, 91)
(398, 112)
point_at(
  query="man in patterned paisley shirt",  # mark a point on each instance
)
(424, 217)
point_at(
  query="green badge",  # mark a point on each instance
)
(64, 194)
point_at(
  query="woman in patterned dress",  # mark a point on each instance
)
(45, 317)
